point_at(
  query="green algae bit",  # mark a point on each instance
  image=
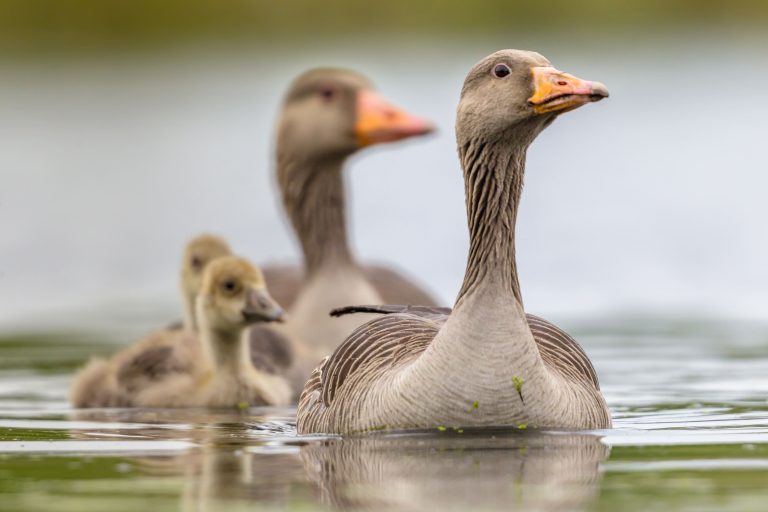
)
(522, 426)
(441, 428)
(243, 406)
(518, 383)
(475, 404)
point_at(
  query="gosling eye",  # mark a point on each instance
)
(197, 263)
(229, 286)
(501, 70)
(327, 93)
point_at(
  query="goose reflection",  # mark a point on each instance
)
(235, 459)
(458, 471)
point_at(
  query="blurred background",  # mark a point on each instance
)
(127, 126)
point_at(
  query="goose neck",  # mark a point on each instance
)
(313, 197)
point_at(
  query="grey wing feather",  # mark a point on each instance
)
(285, 281)
(151, 364)
(557, 348)
(270, 350)
(385, 342)
(395, 288)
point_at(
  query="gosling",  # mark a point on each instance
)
(209, 369)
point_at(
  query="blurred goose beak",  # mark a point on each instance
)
(556, 91)
(380, 121)
(261, 307)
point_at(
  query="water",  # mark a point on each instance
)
(688, 400)
(651, 201)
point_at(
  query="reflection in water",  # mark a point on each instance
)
(257, 460)
(222, 471)
(479, 470)
(231, 461)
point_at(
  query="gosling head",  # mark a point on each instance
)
(331, 113)
(200, 251)
(234, 295)
(513, 89)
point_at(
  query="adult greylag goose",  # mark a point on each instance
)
(480, 364)
(210, 369)
(327, 115)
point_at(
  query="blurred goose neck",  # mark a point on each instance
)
(313, 197)
(189, 321)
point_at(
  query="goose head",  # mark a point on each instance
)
(331, 113)
(198, 253)
(234, 295)
(514, 93)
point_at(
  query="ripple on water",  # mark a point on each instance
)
(690, 430)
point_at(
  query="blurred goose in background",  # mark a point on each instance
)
(327, 115)
(480, 364)
(181, 368)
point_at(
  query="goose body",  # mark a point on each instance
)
(210, 368)
(327, 115)
(391, 285)
(485, 363)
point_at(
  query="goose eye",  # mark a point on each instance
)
(501, 70)
(327, 94)
(229, 286)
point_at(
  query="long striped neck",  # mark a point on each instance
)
(313, 198)
(493, 177)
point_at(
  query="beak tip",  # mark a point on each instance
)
(599, 91)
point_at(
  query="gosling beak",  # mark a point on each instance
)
(556, 91)
(380, 121)
(261, 307)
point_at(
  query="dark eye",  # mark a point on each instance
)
(230, 285)
(501, 70)
(197, 262)
(327, 93)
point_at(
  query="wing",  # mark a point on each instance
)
(379, 345)
(561, 352)
(155, 358)
(270, 350)
(395, 288)
(436, 314)
(283, 282)
(557, 348)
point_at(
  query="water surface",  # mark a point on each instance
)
(690, 433)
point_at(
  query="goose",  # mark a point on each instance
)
(479, 364)
(328, 115)
(212, 368)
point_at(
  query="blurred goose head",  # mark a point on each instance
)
(331, 113)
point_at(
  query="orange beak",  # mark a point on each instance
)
(380, 121)
(555, 91)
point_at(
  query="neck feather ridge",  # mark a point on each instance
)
(493, 176)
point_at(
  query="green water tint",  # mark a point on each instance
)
(690, 433)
